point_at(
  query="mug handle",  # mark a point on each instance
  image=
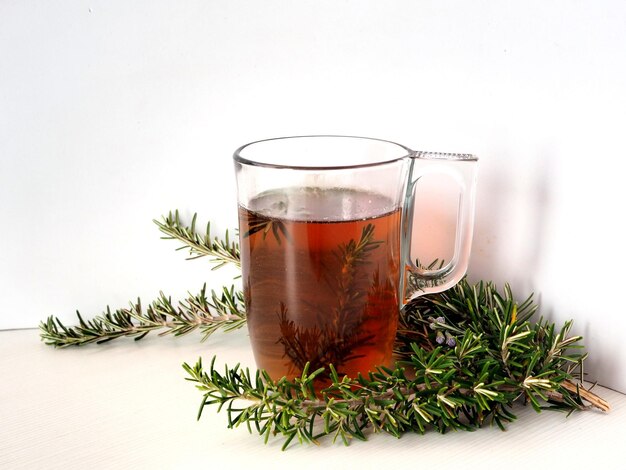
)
(462, 168)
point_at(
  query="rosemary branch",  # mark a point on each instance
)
(225, 311)
(336, 341)
(465, 357)
(461, 388)
(220, 251)
(198, 312)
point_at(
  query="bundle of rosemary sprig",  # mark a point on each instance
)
(465, 356)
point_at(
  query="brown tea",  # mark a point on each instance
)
(320, 273)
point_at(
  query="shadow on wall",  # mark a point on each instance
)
(512, 209)
(515, 231)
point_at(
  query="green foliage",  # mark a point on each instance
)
(464, 358)
(492, 358)
(220, 251)
(198, 312)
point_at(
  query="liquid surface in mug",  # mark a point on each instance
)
(320, 272)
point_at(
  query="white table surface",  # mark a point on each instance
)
(126, 405)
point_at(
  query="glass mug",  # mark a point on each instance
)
(325, 226)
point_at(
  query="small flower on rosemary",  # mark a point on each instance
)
(441, 336)
(436, 322)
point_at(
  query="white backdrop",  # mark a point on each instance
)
(114, 112)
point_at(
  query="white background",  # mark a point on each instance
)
(114, 112)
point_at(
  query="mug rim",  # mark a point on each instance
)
(237, 157)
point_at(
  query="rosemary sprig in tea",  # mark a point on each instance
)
(339, 333)
(258, 223)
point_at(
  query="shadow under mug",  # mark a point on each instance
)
(325, 225)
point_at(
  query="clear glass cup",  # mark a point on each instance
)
(325, 225)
